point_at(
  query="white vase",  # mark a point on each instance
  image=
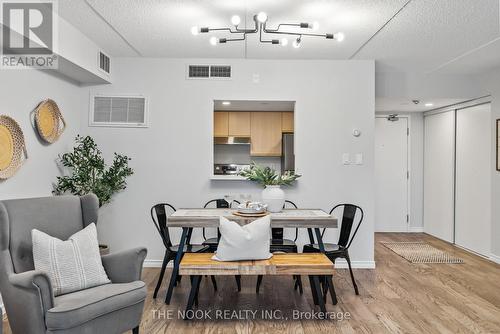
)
(274, 197)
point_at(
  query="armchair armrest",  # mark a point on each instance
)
(124, 266)
(39, 284)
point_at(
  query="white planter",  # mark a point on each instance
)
(274, 197)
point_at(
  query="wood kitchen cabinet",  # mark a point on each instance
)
(287, 121)
(265, 134)
(239, 124)
(221, 124)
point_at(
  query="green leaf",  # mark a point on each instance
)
(88, 172)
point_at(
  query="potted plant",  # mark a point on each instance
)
(88, 173)
(272, 195)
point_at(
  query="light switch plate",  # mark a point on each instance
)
(346, 159)
(358, 159)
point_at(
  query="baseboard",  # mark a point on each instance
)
(154, 264)
(416, 229)
(341, 264)
(495, 258)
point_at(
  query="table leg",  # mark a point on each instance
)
(314, 291)
(320, 240)
(177, 261)
(328, 280)
(311, 236)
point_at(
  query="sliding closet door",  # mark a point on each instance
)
(473, 179)
(439, 163)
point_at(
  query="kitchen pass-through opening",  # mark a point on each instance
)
(253, 131)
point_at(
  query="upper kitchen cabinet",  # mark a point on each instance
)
(287, 121)
(265, 134)
(239, 124)
(221, 124)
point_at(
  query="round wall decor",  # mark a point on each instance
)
(12, 147)
(49, 121)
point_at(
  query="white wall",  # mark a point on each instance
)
(173, 158)
(490, 83)
(20, 93)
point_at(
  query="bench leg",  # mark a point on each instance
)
(319, 296)
(313, 290)
(193, 293)
(259, 281)
(299, 284)
(214, 282)
(329, 283)
(238, 282)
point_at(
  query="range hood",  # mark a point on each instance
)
(232, 140)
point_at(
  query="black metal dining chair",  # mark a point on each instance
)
(280, 244)
(212, 243)
(341, 249)
(159, 217)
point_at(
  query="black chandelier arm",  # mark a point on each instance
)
(300, 25)
(225, 40)
(220, 29)
(272, 41)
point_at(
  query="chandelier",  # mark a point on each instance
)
(260, 20)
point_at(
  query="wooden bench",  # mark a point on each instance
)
(316, 265)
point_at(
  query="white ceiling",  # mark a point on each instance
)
(410, 35)
(246, 105)
(402, 105)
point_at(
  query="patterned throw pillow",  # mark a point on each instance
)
(247, 242)
(72, 265)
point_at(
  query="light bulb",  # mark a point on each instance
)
(284, 42)
(339, 36)
(296, 43)
(213, 40)
(235, 20)
(262, 17)
(195, 31)
(315, 25)
(429, 104)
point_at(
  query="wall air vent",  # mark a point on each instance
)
(199, 71)
(104, 62)
(118, 111)
(209, 72)
(220, 71)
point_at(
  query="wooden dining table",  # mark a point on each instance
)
(187, 219)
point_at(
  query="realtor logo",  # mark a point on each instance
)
(28, 35)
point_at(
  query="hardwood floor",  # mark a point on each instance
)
(397, 297)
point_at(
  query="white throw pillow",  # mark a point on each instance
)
(72, 265)
(247, 242)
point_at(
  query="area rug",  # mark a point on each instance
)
(421, 252)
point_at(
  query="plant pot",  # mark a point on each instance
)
(274, 197)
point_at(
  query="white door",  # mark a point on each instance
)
(439, 166)
(473, 179)
(391, 175)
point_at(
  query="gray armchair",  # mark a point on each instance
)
(27, 293)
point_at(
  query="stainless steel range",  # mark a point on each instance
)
(228, 169)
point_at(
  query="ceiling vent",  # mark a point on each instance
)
(209, 72)
(119, 111)
(104, 62)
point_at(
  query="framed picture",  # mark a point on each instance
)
(498, 145)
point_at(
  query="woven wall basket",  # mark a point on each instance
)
(12, 147)
(49, 121)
